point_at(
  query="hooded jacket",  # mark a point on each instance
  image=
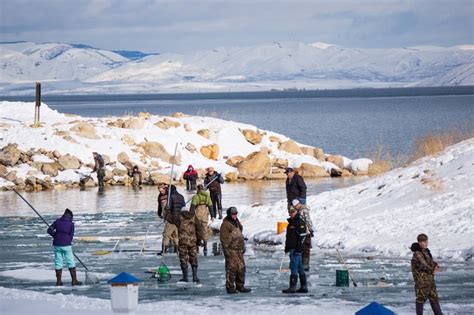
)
(176, 203)
(190, 173)
(231, 234)
(422, 266)
(62, 231)
(295, 188)
(295, 234)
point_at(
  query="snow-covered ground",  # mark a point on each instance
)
(55, 134)
(383, 215)
(65, 68)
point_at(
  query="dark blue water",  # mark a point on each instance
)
(354, 125)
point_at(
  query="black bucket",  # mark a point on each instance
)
(342, 278)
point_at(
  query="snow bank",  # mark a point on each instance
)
(383, 215)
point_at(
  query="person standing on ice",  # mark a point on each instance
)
(424, 269)
(170, 231)
(201, 205)
(213, 181)
(304, 212)
(99, 167)
(188, 230)
(295, 235)
(62, 231)
(190, 176)
(233, 245)
(295, 187)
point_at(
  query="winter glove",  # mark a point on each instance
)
(286, 250)
(302, 201)
(311, 233)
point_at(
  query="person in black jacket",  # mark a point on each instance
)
(213, 181)
(295, 187)
(176, 204)
(295, 235)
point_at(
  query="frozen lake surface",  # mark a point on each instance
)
(128, 216)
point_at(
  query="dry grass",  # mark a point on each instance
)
(383, 161)
(432, 144)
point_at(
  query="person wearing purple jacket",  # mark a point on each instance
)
(62, 231)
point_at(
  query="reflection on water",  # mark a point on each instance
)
(127, 199)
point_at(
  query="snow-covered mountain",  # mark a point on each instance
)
(80, 68)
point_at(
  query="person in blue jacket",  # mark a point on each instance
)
(62, 231)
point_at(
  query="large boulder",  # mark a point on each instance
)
(275, 139)
(133, 123)
(210, 151)
(171, 123)
(67, 162)
(3, 170)
(310, 170)
(10, 155)
(290, 147)
(156, 150)
(360, 166)
(179, 115)
(231, 176)
(314, 152)
(119, 172)
(11, 176)
(85, 130)
(187, 127)
(127, 139)
(256, 166)
(206, 133)
(162, 125)
(122, 157)
(235, 160)
(280, 163)
(336, 159)
(157, 177)
(252, 136)
(190, 147)
(50, 169)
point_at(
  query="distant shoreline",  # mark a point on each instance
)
(274, 94)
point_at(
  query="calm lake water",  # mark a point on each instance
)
(353, 123)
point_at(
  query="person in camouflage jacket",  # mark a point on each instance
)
(233, 245)
(187, 244)
(424, 268)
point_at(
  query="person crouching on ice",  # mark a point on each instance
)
(233, 245)
(187, 244)
(295, 236)
(424, 268)
(62, 231)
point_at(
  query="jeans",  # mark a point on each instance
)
(296, 263)
(62, 253)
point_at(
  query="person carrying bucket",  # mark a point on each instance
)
(62, 231)
(201, 205)
(295, 235)
(304, 212)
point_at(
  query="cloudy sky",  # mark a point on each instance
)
(183, 26)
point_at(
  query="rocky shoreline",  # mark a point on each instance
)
(58, 153)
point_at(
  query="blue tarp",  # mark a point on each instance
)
(374, 308)
(124, 278)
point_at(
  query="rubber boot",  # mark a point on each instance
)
(185, 275)
(205, 249)
(231, 290)
(195, 271)
(220, 213)
(304, 286)
(74, 281)
(244, 289)
(59, 272)
(419, 308)
(436, 307)
(305, 259)
(292, 288)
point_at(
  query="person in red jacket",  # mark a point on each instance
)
(190, 176)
